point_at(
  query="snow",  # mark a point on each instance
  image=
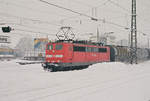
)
(100, 82)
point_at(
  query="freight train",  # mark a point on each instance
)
(70, 55)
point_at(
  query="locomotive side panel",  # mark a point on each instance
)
(79, 54)
(104, 54)
(92, 54)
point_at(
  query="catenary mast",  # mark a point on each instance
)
(133, 47)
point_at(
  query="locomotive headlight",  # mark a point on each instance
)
(52, 61)
(49, 56)
(58, 56)
(58, 61)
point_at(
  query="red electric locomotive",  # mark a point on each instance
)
(68, 55)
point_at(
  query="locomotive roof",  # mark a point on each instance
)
(85, 42)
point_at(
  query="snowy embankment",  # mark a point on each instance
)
(100, 82)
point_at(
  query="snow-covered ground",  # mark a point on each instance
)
(100, 82)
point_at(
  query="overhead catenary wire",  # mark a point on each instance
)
(92, 18)
(81, 14)
(104, 3)
(127, 10)
(31, 9)
(118, 5)
(24, 30)
(88, 5)
(34, 20)
(66, 9)
(14, 4)
(32, 31)
(20, 24)
(81, 3)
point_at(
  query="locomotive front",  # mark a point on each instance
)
(58, 55)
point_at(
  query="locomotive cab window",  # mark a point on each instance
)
(59, 47)
(49, 47)
(103, 50)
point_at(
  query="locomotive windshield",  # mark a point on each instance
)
(59, 47)
(49, 47)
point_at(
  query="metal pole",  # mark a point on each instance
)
(98, 35)
(148, 42)
(129, 40)
(121, 43)
(133, 47)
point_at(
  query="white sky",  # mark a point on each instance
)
(25, 12)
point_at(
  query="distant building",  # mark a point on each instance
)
(123, 42)
(40, 43)
(6, 52)
(4, 39)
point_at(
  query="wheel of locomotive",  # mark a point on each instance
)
(68, 68)
(51, 69)
(44, 66)
(65, 68)
(73, 67)
(86, 66)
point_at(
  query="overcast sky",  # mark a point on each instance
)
(34, 16)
